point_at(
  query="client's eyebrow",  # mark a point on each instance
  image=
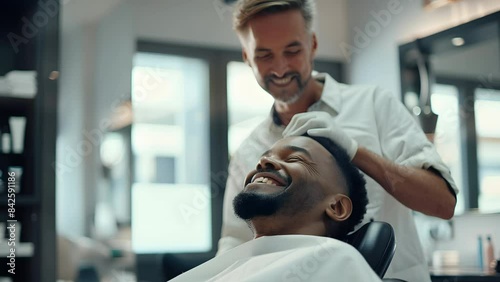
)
(291, 148)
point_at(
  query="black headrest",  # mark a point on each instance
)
(375, 241)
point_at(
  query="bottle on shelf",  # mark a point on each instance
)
(17, 131)
(490, 253)
(5, 137)
(480, 251)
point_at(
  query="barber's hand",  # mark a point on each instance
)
(321, 124)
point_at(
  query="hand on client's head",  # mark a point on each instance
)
(303, 185)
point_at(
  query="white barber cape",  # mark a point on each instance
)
(287, 258)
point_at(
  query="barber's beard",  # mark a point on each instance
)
(288, 96)
(250, 204)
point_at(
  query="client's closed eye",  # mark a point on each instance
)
(294, 159)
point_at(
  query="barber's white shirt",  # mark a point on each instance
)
(285, 258)
(378, 122)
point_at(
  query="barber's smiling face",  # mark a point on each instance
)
(280, 50)
(290, 178)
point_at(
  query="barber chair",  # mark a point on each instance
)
(377, 244)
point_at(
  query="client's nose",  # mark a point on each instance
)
(268, 163)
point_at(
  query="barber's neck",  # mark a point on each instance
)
(311, 94)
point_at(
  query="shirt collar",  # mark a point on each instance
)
(330, 96)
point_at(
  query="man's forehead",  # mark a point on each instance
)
(261, 28)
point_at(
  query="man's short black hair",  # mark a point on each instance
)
(354, 180)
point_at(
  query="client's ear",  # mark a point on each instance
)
(339, 208)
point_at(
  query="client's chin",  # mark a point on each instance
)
(248, 204)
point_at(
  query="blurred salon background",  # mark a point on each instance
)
(120, 117)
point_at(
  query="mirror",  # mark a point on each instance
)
(460, 68)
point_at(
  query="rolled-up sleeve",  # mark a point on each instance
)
(402, 140)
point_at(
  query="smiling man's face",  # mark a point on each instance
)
(280, 50)
(290, 179)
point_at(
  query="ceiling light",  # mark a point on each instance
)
(457, 41)
(416, 110)
(433, 4)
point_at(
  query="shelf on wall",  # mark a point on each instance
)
(15, 159)
(21, 200)
(36, 135)
(14, 106)
(23, 249)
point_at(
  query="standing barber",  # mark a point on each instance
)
(404, 171)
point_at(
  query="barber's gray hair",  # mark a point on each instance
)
(245, 10)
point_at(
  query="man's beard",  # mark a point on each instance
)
(248, 205)
(283, 96)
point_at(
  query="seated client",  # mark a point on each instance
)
(303, 192)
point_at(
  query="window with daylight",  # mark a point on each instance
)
(171, 209)
(248, 103)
